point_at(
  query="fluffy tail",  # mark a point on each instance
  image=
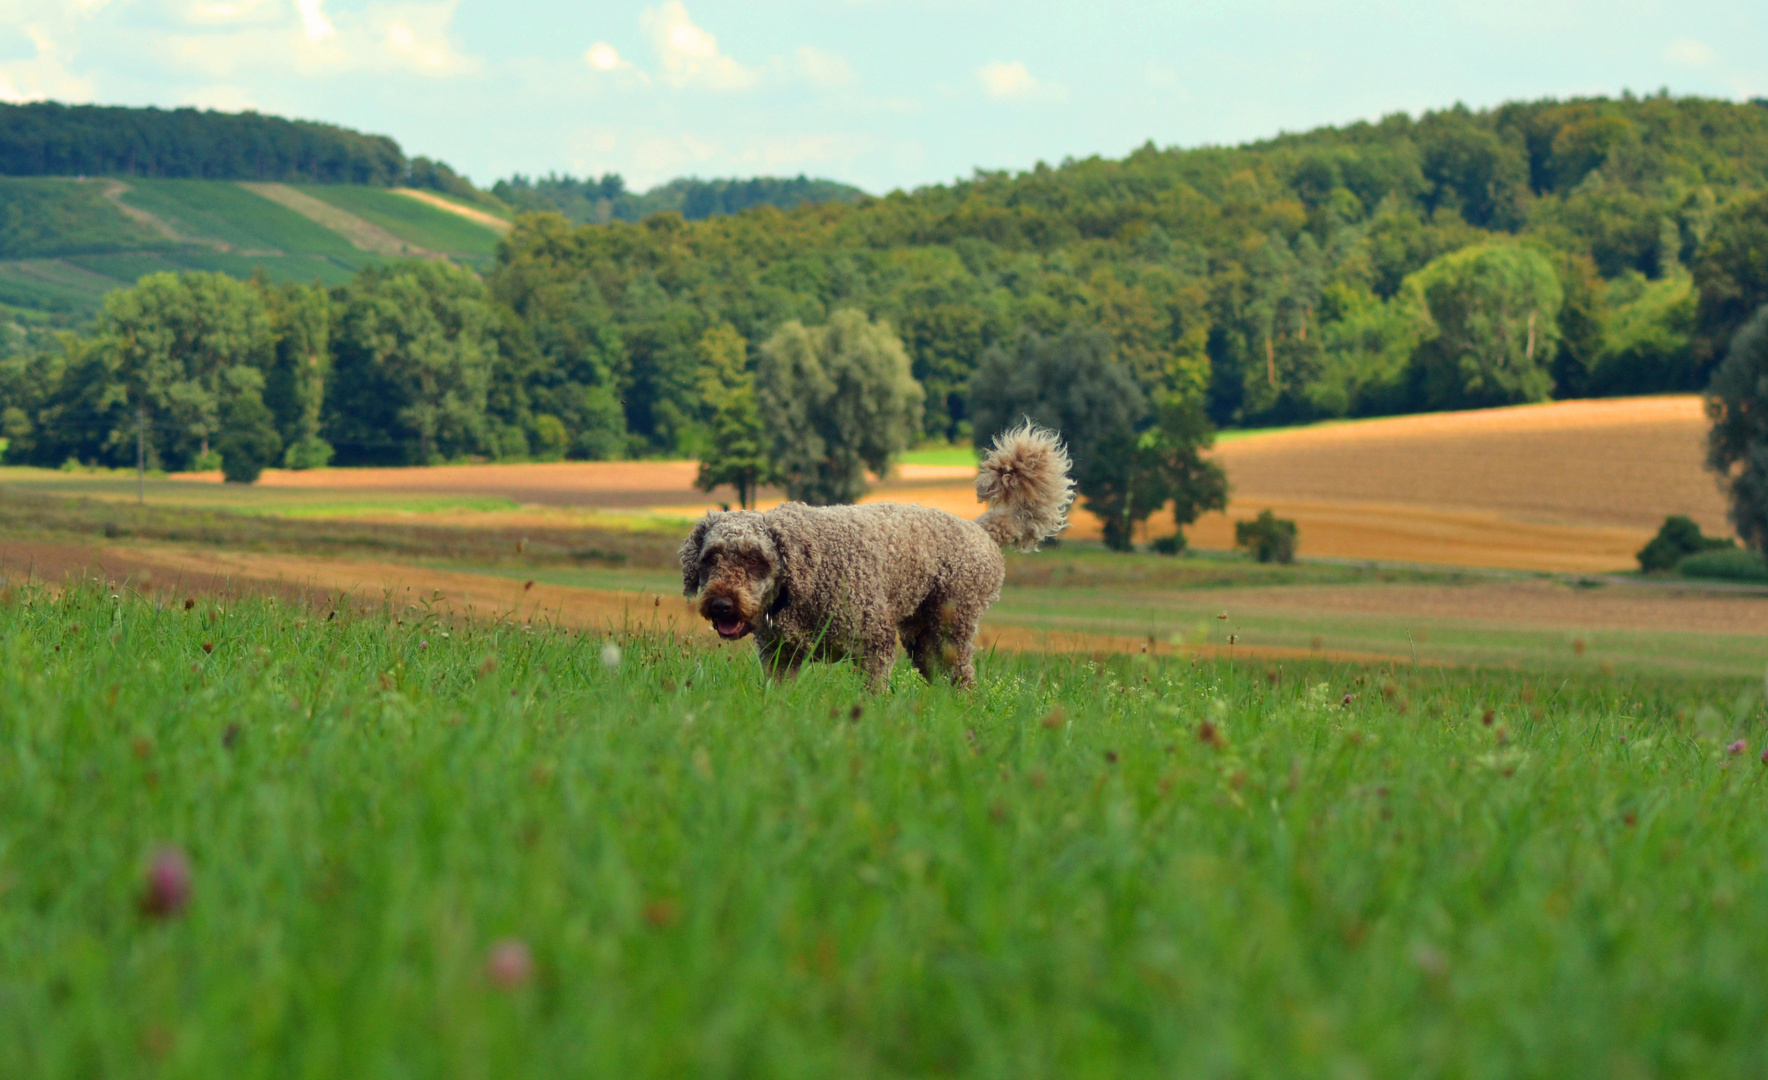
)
(1024, 480)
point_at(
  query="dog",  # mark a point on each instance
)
(835, 583)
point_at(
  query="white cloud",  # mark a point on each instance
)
(604, 57)
(416, 35)
(824, 68)
(689, 55)
(46, 75)
(221, 11)
(413, 36)
(314, 25)
(1013, 81)
(1691, 52)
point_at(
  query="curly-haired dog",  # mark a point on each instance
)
(844, 582)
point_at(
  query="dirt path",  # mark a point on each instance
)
(477, 217)
(113, 191)
(1505, 605)
(1548, 605)
(364, 235)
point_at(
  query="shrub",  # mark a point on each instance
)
(1169, 545)
(248, 444)
(1269, 537)
(1726, 564)
(1677, 539)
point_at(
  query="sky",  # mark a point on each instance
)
(884, 94)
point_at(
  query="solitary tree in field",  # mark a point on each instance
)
(1737, 447)
(1071, 383)
(835, 400)
(248, 442)
(1131, 476)
(295, 383)
(1173, 450)
(736, 454)
(1125, 468)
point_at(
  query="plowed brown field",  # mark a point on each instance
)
(1569, 486)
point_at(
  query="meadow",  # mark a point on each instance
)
(73, 242)
(383, 842)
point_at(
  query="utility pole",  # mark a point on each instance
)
(140, 456)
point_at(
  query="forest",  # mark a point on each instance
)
(1456, 259)
(46, 138)
(607, 199)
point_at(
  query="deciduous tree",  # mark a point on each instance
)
(1737, 446)
(835, 400)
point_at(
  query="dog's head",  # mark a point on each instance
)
(731, 562)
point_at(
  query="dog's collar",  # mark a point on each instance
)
(779, 605)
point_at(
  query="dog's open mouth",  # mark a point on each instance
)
(730, 629)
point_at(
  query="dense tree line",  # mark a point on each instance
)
(1456, 259)
(607, 199)
(46, 138)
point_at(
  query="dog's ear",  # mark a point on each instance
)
(690, 555)
(787, 542)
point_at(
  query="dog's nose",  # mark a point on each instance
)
(721, 608)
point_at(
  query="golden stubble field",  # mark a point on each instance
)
(1568, 486)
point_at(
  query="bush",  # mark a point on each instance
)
(1727, 564)
(1677, 539)
(1170, 545)
(1269, 537)
(249, 443)
(309, 453)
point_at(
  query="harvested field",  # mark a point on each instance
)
(477, 217)
(1625, 463)
(1569, 487)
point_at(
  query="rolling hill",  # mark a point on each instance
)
(65, 243)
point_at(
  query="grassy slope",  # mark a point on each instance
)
(409, 219)
(1055, 876)
(225, 212)
(49, 217)
(69, 246)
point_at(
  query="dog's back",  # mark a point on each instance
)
(892, 554)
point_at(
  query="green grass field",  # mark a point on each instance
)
(409, 220)
(422, 849)
(940, 455)
(224, 212)
(64, 245)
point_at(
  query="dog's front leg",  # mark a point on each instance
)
(780, 660)
(878, 656)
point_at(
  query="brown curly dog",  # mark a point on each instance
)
(845, 582)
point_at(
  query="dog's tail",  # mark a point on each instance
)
(1024, 480)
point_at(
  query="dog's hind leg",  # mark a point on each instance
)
(958, 634)
(877, 654)
(920, 639)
